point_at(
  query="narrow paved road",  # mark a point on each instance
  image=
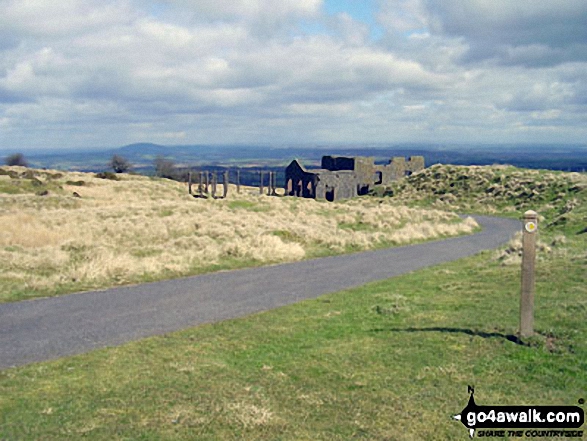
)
(50, 328)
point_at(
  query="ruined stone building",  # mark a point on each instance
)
(341, 177)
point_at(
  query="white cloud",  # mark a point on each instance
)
(547, 114)
(248, 9)
(404, 16)
(63, 18)
(526, 32)
(228, 71)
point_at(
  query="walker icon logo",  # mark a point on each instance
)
(476, 417)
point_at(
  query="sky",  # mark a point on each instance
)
(96, 73)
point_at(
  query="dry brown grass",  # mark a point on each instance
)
(141, 228)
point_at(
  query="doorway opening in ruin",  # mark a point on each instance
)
(308, 190)
(329, 194)
(362, 190)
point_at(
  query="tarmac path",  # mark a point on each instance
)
(50, 328)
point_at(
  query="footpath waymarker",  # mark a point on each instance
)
(528, 259)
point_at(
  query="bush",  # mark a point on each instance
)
(76, 183)
(378, 191)
(164, 168)
(107, 175)
(16, 159)
(11, 173)
(119, 164)
(28, 174)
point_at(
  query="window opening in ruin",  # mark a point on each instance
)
(378, 177)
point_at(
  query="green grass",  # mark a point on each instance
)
(288, 236)
(389, 360)
(358, 225)
(253, 206)
(24, 186)
(28, 181)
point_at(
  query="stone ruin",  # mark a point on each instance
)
(346, 177)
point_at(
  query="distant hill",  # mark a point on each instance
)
(143, 148)
(141, 156)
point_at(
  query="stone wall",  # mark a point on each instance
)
(334, 185)
(415, 164)
(398, 168)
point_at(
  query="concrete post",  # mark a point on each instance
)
(273, 183)
(528, 259)
(225, 184)
(270, 183)
(214, 182)
(207, 182)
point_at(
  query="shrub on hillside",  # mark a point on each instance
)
(119, 164)
(16, 159)
(164, 168)
(76, 183)
(107, 175)
(11, 173)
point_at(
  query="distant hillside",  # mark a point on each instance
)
(143, 149)
(141, 156)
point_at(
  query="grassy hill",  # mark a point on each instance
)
(558, 197)
(62, 232)
(387, 361)
(492, 189)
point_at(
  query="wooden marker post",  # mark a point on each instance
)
(261, 182)
(238, 181)
(190, 182)
(528, 260)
